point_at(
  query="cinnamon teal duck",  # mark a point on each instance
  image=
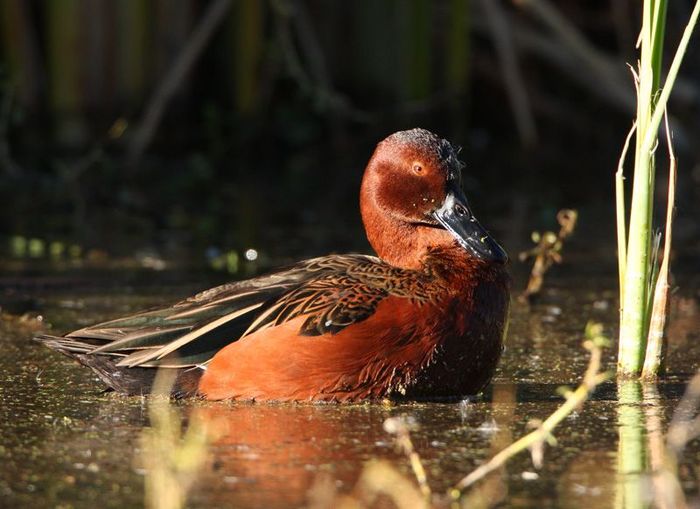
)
(425, 318)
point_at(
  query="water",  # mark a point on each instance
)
(64, 443)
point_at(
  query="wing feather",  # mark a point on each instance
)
(183, 340)
(332, 292)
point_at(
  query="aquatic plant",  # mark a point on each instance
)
(636, 263)
(546, 252)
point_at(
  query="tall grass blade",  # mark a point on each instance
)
(635, 297)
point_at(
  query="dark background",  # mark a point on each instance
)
(263, 140)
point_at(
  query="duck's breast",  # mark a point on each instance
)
(473, 332)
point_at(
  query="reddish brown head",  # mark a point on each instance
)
(411, 201)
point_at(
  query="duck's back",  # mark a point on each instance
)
(321, 296)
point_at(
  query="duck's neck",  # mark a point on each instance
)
(406, 245)
(456, 266)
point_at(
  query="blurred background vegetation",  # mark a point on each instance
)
(195, 130)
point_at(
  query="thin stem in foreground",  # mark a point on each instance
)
(401, 427)
(574, 399)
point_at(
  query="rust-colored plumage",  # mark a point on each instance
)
(425, 319)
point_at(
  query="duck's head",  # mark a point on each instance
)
(412, 200)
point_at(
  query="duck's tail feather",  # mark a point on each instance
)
(125, 380)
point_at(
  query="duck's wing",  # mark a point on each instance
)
(338, 298)
(333, 291)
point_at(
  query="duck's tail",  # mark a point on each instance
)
(126, 380)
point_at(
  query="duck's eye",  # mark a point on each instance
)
(417, 169)
(461, 211)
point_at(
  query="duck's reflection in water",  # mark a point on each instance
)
(270, 455)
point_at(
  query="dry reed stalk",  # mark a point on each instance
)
(654, 350)
(594, 343)
(652, 99)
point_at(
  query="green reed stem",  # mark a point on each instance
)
(635, 294)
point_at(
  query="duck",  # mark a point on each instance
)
(425, 318)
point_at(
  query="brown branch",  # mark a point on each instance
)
(174, 78)
(513, 80)
(571, 38)
(316, 82)
(7, 163)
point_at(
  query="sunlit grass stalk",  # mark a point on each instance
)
(595, 341)
(636, 295)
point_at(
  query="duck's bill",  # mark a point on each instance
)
(457, 218)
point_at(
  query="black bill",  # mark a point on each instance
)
(457, 218)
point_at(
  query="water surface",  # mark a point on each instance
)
(65, 443)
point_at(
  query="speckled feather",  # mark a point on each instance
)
(332, 292)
